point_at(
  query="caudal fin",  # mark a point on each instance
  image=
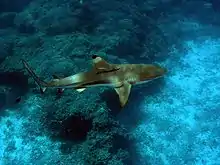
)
(42, 84)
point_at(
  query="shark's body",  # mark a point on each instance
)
(119, 76)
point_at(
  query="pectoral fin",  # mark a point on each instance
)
(123, 92)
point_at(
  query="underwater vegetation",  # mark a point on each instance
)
(173, 120)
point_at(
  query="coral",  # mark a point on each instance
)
(13, 5)
(13, 85)
(6, 48)
(123, 33)
(7, 20)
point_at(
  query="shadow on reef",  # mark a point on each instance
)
(13, 85)
(127, 144)
(131, 112)
(130, 116)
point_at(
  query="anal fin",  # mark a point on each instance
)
(123, 92)
(80, 90)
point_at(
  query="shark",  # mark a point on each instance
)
(121, 77)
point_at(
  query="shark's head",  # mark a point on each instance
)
(150, 72)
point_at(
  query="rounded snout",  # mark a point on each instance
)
(161, 71)
(154, 71)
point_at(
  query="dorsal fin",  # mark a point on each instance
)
(100, 65)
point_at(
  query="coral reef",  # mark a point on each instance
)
(13, 5)
(173, 120)
(6, 48)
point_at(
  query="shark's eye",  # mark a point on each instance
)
(94, 56)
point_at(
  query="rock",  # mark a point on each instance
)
(13, 5)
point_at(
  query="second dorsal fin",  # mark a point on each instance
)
(100, 63)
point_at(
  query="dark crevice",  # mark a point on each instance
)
(13, 85)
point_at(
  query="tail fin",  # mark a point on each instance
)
(42, 84)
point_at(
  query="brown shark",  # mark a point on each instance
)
(119, 76)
